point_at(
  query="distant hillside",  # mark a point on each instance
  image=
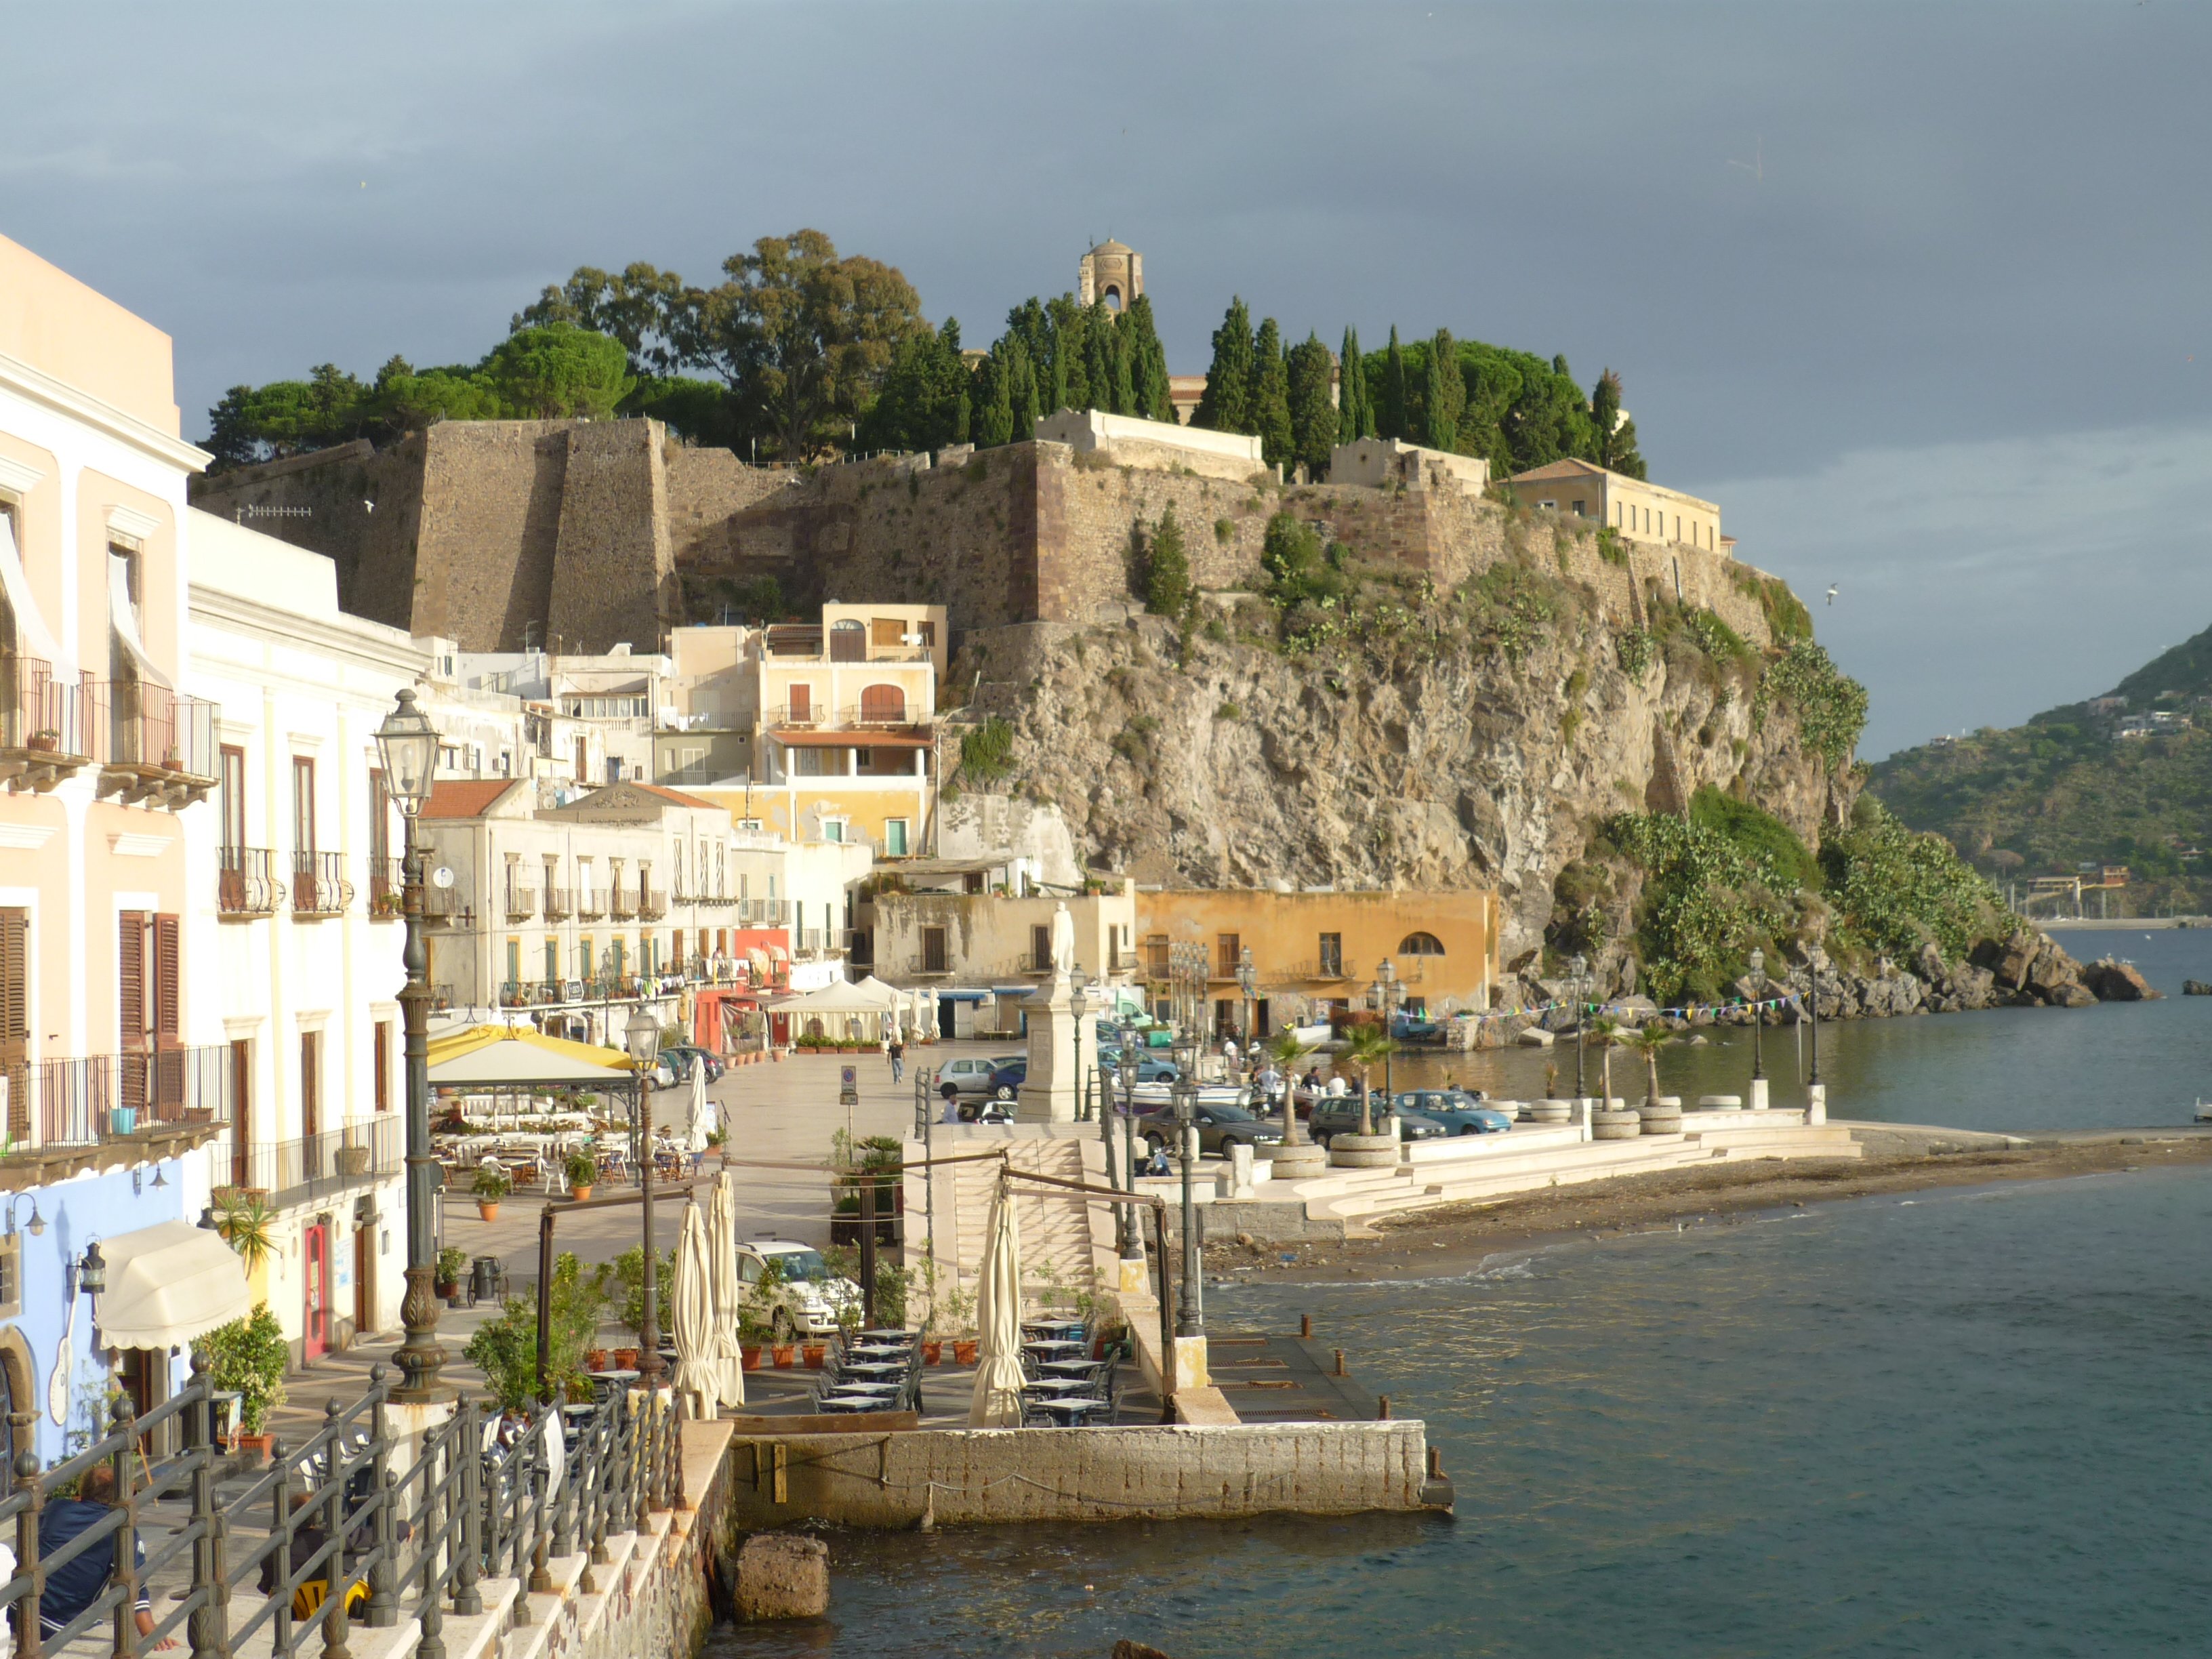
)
(2068, 788)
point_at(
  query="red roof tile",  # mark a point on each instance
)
(465, 798)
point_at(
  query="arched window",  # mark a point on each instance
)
(1420, 945)
(848, 641)
(883, 705)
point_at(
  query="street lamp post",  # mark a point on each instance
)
(643, 1037)
(1125, 1220)
(1815, 959)
(1386, 988)
(407, 746)
(1758, 1013)
(1579, 968)
(1077, 1006)
(1190, 1314)
(1247, 981)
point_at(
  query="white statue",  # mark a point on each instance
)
(1063, 941)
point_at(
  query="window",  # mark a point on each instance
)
(1155, 955)
(1420, 945)
(833, 829)
(1578, 510)
(849, 640)
(303, 804)
(15, 1016)
(1228, 951)
(379, 821)
(932, 950)
(895, 838)
(926, 631)
(1041, 949)
(584, 966)
(886, 633)
(1331, 965)
(802, 705)
(242, 1111)
(552, 962)
(311, 1083)
(231, 800)
(883, 704)
(514, 962)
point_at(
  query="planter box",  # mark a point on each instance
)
(353, 1160)
(122, 1120)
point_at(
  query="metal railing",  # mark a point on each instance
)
(348, 1536)
(43, 736)
(247, 884)
(386, 889)
(521, 902)
(99, 1098)
(299, 1170)
(653, 903)
(151, 731)
(591, 904)
(558, 903)
(622, 903)
(318, 884)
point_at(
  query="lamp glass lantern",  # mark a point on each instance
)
(642, 1036)
(407, 745)
(92, 1272)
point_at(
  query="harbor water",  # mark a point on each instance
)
(1970, 1421)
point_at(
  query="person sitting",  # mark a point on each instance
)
(77, 1583)
(307, 1538)
(1157, 1164)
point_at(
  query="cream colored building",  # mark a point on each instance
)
(1380, 463)
(1640, 511)
(1126, 440)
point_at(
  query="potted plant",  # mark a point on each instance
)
(813, 1354)
(625, 1359)
(46, 740)
(122, 1120)
(506, 1348)
(582, 1170)
(627, 1272)
(595, 1359)
(786, 1354)
(247, 1357)
(446, 1277)
(491, 1184)
(353, 1160)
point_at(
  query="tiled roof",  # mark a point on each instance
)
(465, 798)
(1570, 468)
(676, 796)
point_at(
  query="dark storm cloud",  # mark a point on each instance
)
(1818, 241)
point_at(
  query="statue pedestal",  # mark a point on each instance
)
(1052, 1093)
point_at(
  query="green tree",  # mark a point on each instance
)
(1021, 389)
(992, 394)
(505, 1349)
(1647, 1042)
(289, 417)
(558, 370)
(918, 407)
(656, 315)
(1313, 418)
(1118, 367)
(1390, 419)
(1549, 419)
(1355, 414)
(1366, 1047)
(1071, 351)
(1226, 403)
(1613, 436)
(1270, 395)
(805, 335)
(1167, 569)
(1148, 362)
(1445, 393)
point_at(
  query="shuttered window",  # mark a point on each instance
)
(130, 978)
(16, 1016)
(166, 983)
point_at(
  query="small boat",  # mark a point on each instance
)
(2203, 1113)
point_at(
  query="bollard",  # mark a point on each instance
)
(1383, 1408)
(1436, 1462)
(1305, 1326)
(1339, 1370)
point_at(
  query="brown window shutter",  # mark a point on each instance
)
(131, 978)
(166, 980)
(16, 1016)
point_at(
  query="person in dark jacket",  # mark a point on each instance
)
(73, 1586)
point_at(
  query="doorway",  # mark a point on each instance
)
(364, 1292)
(314, 1327)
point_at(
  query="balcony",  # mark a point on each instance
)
(42, 737)
(313, 1167)
(387, 890)
(246, 883)
(319, 888)
(101, 1099)
(622, 904)
(591, 904)
(558, 903)
(155, 748)
(445, 905)
(521, 902)
(653, 903)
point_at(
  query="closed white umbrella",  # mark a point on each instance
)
(698, 1379)
(729, 1292)
(703, 1110)
(997, 1400)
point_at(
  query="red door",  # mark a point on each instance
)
(315, 1329)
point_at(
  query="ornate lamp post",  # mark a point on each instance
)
(643, 1037)
(1077, 1006)
(1247, 981)
(1758, 1013)
(1579, 970)
(1386, 997)
(407, 746)
(1124, 1221)
(1190, 1312)
(1815, 960)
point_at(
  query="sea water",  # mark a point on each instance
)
(1969, 1421)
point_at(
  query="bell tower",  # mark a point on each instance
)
(1112, 273)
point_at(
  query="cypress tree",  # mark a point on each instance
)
(1390, 419)
(1270, 395)
(1067, 353)
(1613, 436)
(1148, 362)
(1313, 420)
(1355, 414)
(1446, 393)
(1021, 390)
(1118, 352)
(1226, 405)
(1167, 569)
(994, 402)
(1098, 355)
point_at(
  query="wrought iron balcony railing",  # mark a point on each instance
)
(155, 747)
(558, 903)
(94, 1099)
(42, 736)
(318, 885)
(521, 902)
(247, 884)
(300, 1170)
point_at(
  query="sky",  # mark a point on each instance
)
(1918, 293)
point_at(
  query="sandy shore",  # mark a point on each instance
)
(1456, 1237)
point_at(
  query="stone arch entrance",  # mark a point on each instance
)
(19, 1381)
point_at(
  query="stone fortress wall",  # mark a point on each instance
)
(583, 534)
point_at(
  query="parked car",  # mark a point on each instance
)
(1149, 1069)
(971, 1073)
(682, 1056)
(1339, 1114)
(1007, 1081)
(810, 1298)
(1458, 1111)
(1408, 1027)
(1219, 1128)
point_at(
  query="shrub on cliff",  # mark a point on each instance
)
(1893, 887)
(1167, 569)
(1830, 705)
(1707, 899)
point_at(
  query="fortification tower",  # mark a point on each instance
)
(1114, 272)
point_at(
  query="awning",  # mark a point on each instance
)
(126, 625)
(169, 1284)
(499, 1054)
(780, 955)
(15, 588)
(757, 961)
(846, 736)
(841, 998)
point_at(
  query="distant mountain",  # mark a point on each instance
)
(2080, 784)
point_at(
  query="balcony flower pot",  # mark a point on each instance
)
(122, 1120)
(353, 1160)
(963, 1351)
(812, 1354)
(786, 1355)
(45, 743)
(595, 1359)
(932, 1353)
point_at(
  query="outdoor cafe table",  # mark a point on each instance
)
(1068, 1367)
(878, 1369)
(1054, 1386)
(1054, 1347)
(1073, 1410)
(854, 1402)
(1041, 1328)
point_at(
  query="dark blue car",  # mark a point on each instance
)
(1007, 1081)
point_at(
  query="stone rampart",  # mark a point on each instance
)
(484, 562)
(611, 565)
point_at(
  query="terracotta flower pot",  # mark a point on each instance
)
(447, 1289)
(812, 1354)
(963, 1352)
(256, 1443)
(487, 1209)
(786, 1355)
(932, 1353)
(625, 1359)
(595, 1359)
(579, 1194)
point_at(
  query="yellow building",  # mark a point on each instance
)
(1641, 511)
(1314, 953)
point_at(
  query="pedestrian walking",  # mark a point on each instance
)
(896, 1050)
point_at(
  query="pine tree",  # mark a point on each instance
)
(1226, 405)
(1270, 395)
(1021, 390)
(1446, 393)
(1613, 436)
(1148, 362)
(1313, 419)
(1355, 414)
(1167, 569)
(1390, 419)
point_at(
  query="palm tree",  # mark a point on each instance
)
(1286, 1051)
(1648, 1043)
(1366, 1048)
(1606, 1031)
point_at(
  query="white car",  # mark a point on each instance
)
(809, 1298)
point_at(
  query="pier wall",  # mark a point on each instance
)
(982, 1476)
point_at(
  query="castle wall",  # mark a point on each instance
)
(705, 489)
(484, 566)
(610, 560)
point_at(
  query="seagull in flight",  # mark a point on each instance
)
(1831, 593)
